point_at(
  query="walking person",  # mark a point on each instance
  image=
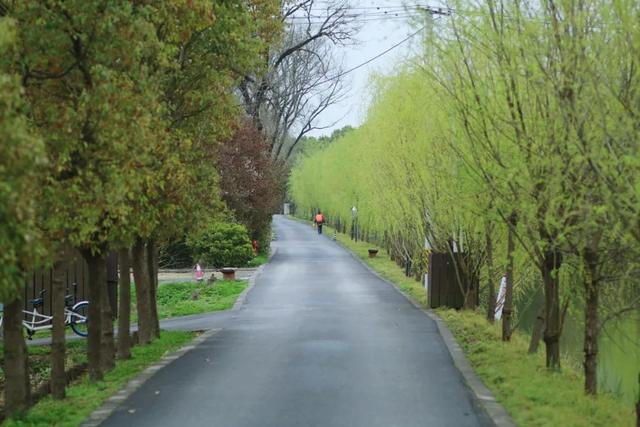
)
(319, 220)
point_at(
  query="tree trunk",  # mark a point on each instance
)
(97, 285)
(491, 289)
(638, 404)
(538, 330)
(152, 259)
(470, 297)
(507, 309)
(107, 343)
(124, 308)
(552, 309)
(143, 296)
(17, 388)
(58, 292)
(591, 327)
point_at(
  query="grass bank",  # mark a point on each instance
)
(532, 395)
(83, 396)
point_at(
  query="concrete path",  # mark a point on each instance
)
(320, 341)
(175, 276)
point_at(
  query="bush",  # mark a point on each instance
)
(223, 245)
(176, 254)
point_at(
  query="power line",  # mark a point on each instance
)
(360, 21)
(371, 59)
(376, 16)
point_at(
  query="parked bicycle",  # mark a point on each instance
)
(75, 316)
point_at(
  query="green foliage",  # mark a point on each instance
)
(98, 106)
(133, 99)
(309, 145)
(85, 396)
(21, 163)
(508, 110)
(223, 244)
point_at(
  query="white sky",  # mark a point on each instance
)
(375, 36)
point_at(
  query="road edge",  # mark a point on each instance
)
(107, 408)
(488, 402)
(240, 301)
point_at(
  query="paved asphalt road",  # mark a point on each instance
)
(320, 341)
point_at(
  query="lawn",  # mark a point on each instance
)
(83, 396)
(182, 299)
(532, 395)
(186, 298)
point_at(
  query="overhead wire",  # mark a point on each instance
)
(378, 13)
(368, 61)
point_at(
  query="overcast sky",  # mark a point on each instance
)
(377, 34)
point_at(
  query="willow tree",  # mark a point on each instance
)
(21, 162)
(521, 124)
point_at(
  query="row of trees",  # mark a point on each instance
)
(111, 116)
(513, 138)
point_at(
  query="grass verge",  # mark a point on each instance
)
(258, 260)
(531, 394)
(521, 383)
(83, 396)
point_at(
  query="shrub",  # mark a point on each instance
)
(176, 254)
(223, 245)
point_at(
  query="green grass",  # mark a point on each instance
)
(40, 364)
(521, 383)
(187, 298)
(84, 396)
(182, 299)
(532, 395)
(258, 260)
(176, 299)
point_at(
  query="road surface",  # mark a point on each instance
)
(320, 341)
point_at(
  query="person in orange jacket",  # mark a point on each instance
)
(319, 220)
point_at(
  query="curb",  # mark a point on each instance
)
(483, 395)
(252, 282)
(111, 404)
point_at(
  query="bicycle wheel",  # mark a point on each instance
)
(80, 318)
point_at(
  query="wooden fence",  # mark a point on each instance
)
(442, 282)
(76, 279)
